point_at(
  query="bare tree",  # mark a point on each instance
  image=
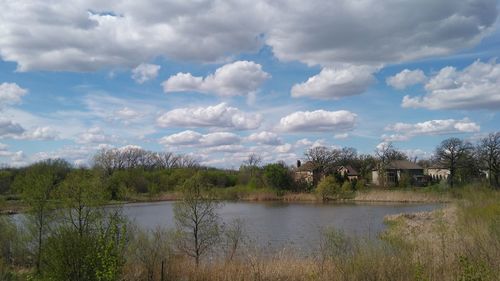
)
(386, 153)
(234, 236)
(489, 156)
(167, 160)
(197, 221)
(253, 160)
(322, 159)
(453, 153)
(347, 155)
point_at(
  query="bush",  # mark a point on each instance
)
(277, 176)
(327, 187)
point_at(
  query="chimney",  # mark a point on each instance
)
(298, 163)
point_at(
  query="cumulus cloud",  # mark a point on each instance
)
(145, 72)
(265, 137)
(11, 93)
(87, 35)
(376, 32)
(475, 87)
(406, 78)
(318, 121)
(233, 79)
(335, 83)
(405, 131)
(192, 138)
(218, 116)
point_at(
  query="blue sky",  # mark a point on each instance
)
(221, 80)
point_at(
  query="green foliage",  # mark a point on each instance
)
(472, 270)
(93, 255)
(278, 176)
(327, 187)
(346, 190)
(37, 185)
(360, 185)
(405, 180)
(219, 178)
(6, 180)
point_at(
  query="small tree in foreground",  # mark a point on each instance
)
(197, 221)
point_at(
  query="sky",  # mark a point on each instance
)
(219, 80)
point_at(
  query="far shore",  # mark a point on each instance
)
(370, 196)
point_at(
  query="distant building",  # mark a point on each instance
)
(308, 173)
(437, 173)
(396, 169)
(349, 172)
(304, 172)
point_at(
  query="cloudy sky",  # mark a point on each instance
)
(222, 79)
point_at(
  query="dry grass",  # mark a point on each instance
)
(301, 197)
(460, 242)
(401, 196)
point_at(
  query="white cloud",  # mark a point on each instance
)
(127, 114)
(40, 133)
(318, 121)
(265, 137)
(191, 138)
(11, 93)
(405, 131)
(335, 83)
(284, 148)
(219, 138)
(183, 138)
(341, 136)
(406, 78)
(145, 72)
(95, 135)
(475, 87)
(233, 79)
(86, 35)
(376, 32)
(219, 116)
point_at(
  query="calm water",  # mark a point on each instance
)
(286, 224)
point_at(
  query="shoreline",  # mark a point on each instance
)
(371, 196)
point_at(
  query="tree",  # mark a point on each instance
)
(327, 187)
(277, 176)
(347, 156)
(386, 153)
(37, 186)
(453, 153)
(87, 241)
(197, 221)
(322, 159)
(489, 156)
(150, 249)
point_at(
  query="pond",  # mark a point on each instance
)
(276, 225)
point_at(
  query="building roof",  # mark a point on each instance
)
(350, 170)
(403, 165)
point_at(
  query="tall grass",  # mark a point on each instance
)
(461, 242)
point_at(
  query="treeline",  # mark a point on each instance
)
(123, 173)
